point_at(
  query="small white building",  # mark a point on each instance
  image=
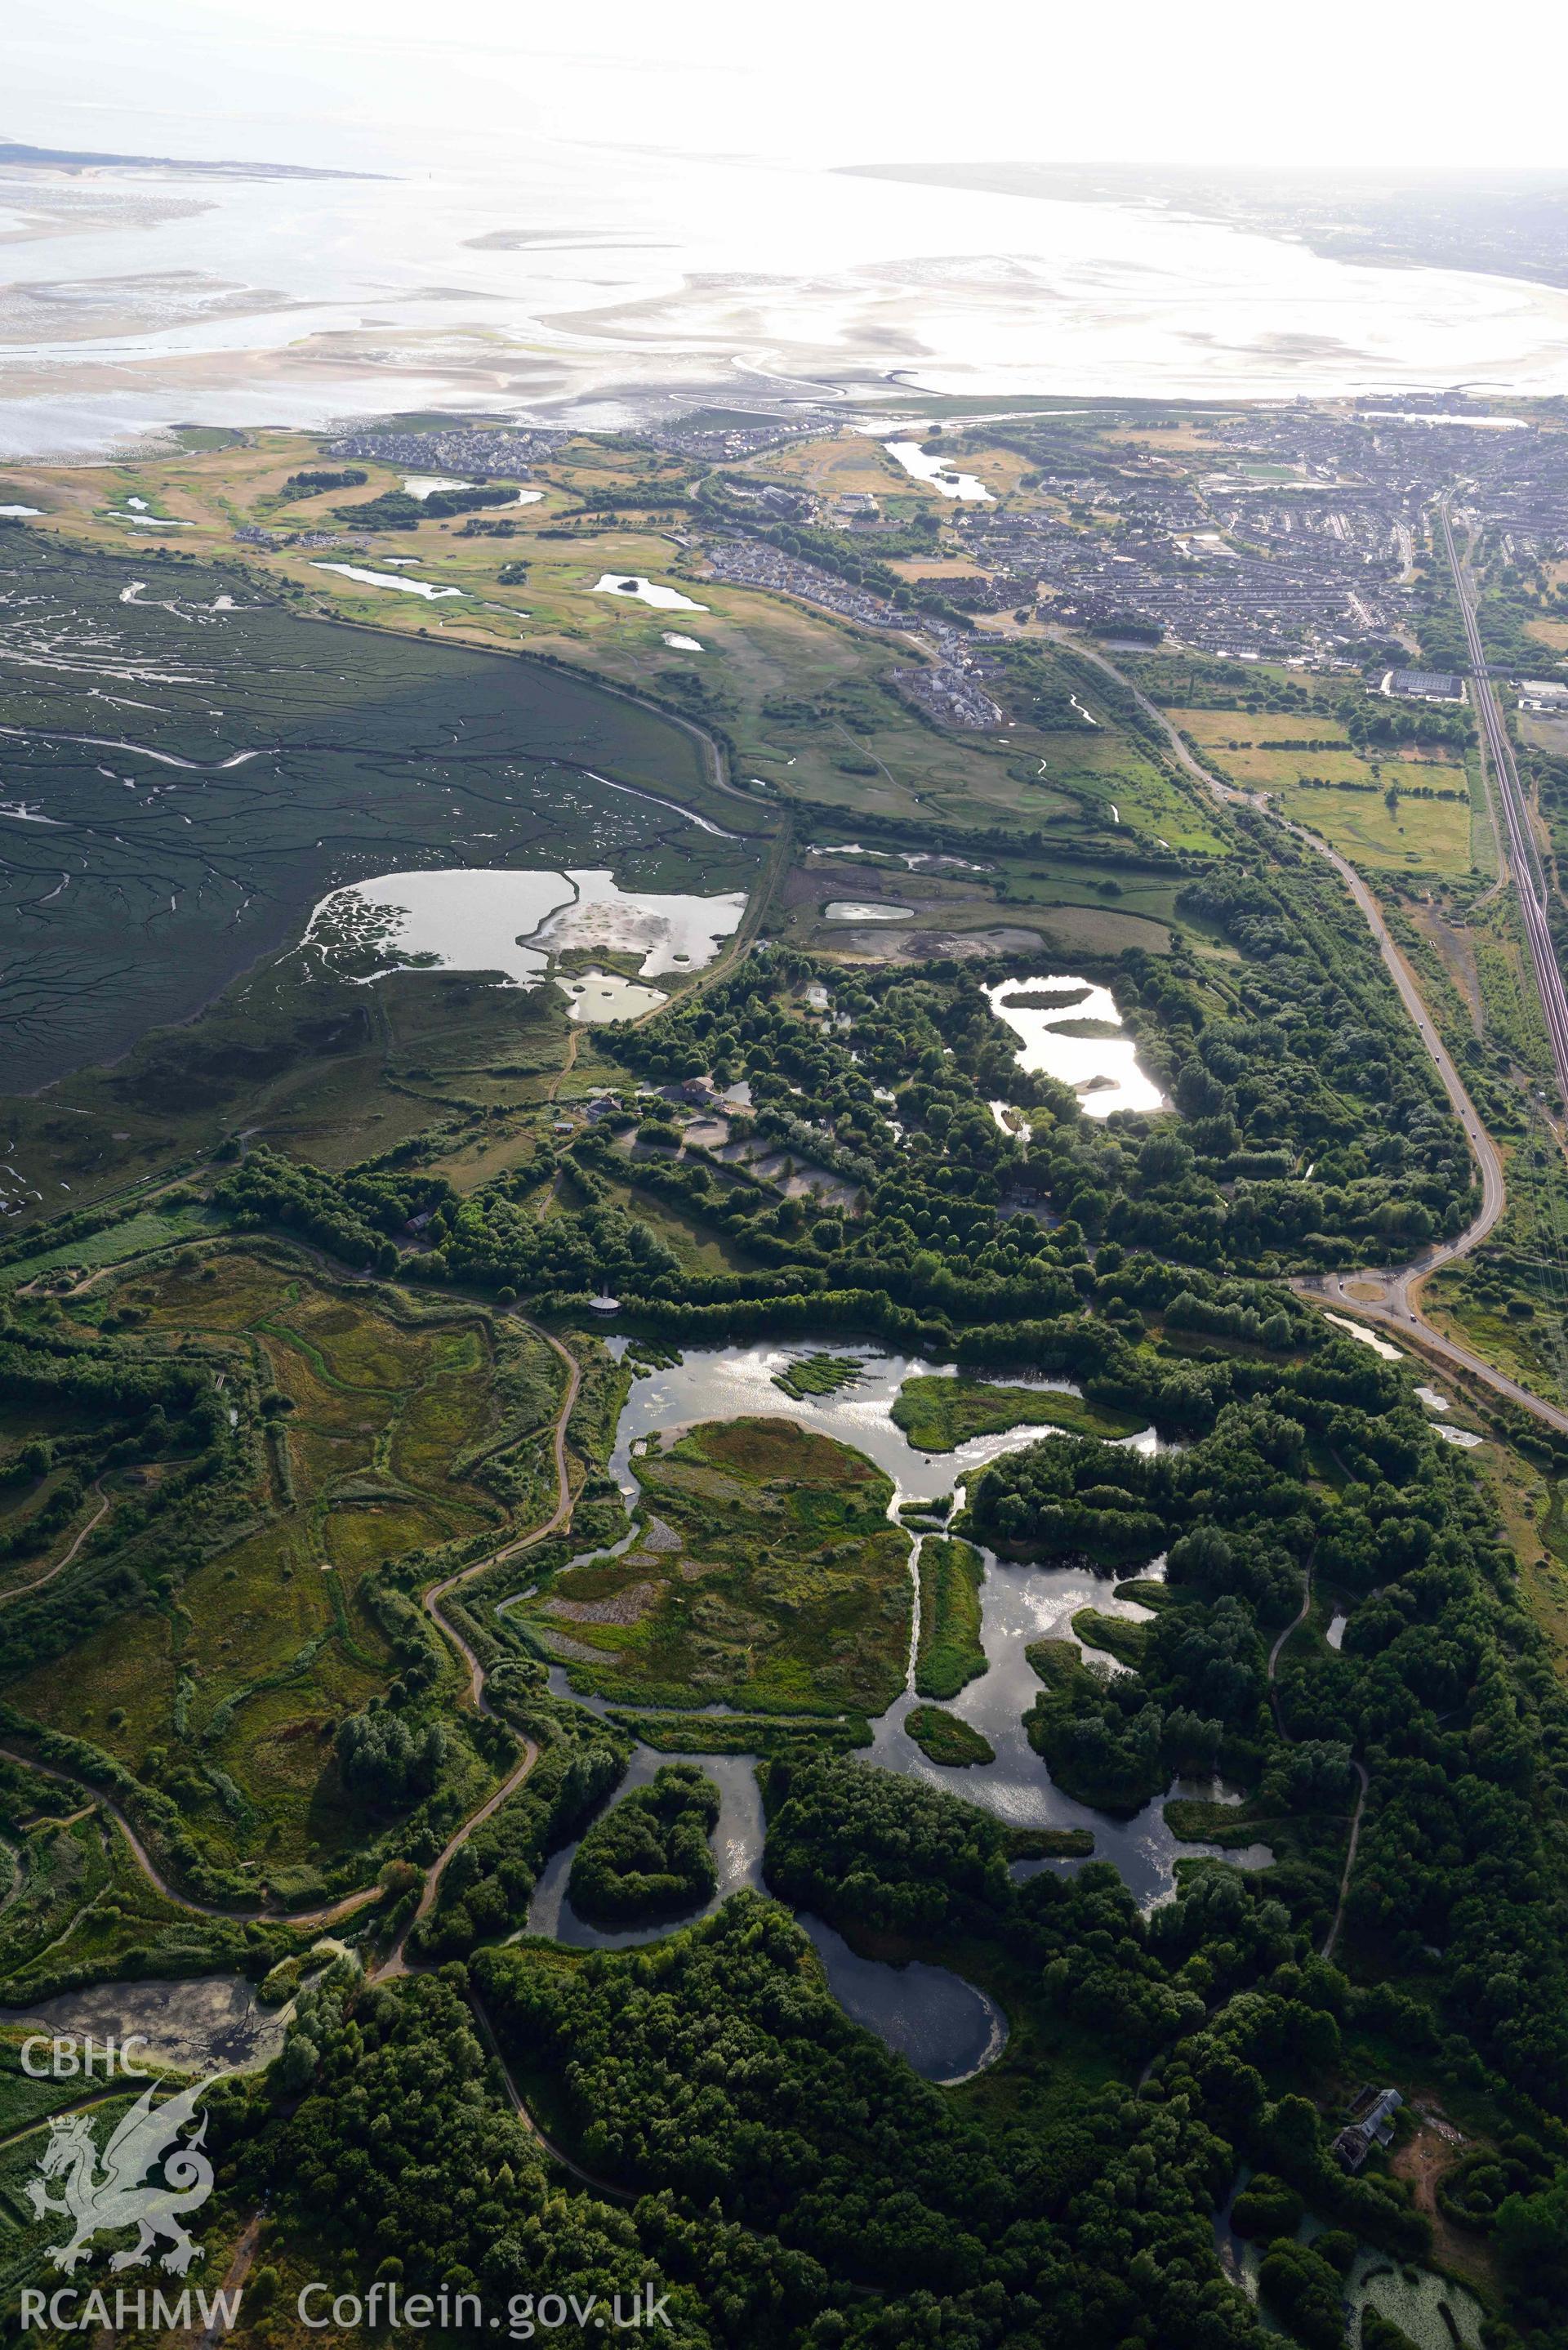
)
(1423, 685)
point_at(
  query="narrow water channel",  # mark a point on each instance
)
(947, 2027)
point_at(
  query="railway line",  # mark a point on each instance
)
(1529, 880)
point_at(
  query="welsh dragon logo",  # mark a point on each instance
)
(114, 2197)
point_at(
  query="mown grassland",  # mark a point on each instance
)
(1251, 748)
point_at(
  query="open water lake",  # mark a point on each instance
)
(1103, 1071)
(938, 473)
(496, 918)
(947, 2027)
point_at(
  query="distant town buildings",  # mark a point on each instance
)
(458, 448)
(714, 444)
(779, 504)
(1423, 685)
(753, 562)
(946, 695)
(1301, 540)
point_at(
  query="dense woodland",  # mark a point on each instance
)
(736, 2138)
(649, 1856)
(1304, 1125)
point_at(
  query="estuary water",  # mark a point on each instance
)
(534, 275)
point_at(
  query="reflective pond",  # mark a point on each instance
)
(947, 2028)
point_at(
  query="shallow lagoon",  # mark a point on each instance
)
(600, 998)
(424, 485)
(939, 473)
(387, 579)
(947, 2027)
(672, 933)
(852, 909)
(492, 918)
(644, 591)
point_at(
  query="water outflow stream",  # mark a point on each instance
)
(946, 2027)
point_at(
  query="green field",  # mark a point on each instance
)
(135, 1235)
(1251, 748)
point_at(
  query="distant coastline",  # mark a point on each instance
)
(14, 153)
(1493, 224)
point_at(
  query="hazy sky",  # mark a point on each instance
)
(1215, 81)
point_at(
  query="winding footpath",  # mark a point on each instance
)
(160, 1883)
(20, 1590)
(352, 1902)
(557, 2154)
(396, 1963)
(1389, 1295)
(1363, 1784)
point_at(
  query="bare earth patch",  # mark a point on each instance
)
(1421, 2162)
(627, 1607)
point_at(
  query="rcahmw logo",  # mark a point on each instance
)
(99, 2200)
(69, 2311)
